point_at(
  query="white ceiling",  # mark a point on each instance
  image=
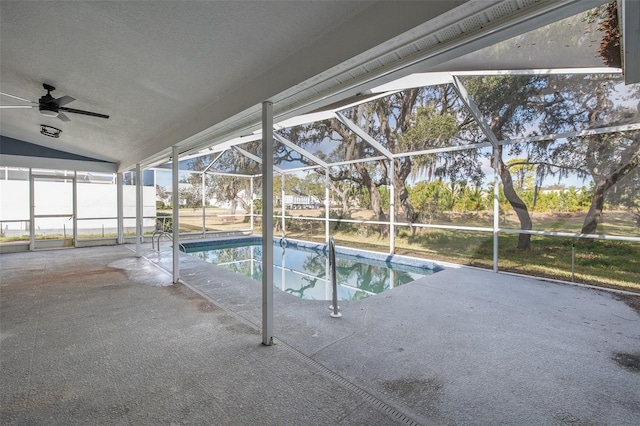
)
(148, 65)
(187, 73)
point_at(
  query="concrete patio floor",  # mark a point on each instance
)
(98, 336)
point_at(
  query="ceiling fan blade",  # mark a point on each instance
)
(63, 117)
(79, 111)
(15, 106)
(17, 97)
(64, 100)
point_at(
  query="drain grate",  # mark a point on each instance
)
(389, 410)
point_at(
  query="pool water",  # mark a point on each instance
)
(304, 272)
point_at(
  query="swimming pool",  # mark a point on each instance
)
(302, 269)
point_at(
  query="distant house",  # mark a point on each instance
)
(298, 202)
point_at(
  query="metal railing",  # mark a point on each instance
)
(159, 234)
(334, 283)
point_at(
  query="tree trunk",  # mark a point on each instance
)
(402, 195)
(376, 206)
(629, 161)
(374, 196)
(524, 240)
(594, 214)
(344, 198)
(345, 204)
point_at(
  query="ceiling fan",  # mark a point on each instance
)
(50, 106)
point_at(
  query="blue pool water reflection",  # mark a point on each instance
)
(303, 272)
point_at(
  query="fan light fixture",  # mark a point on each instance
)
(52, 132)
(48, 112)
(50, 106)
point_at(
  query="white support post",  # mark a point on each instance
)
(326, 207)
(175, 189)
(282, 181)
(267, 223)
(120, 206)
(155, 208)
(496, 208)
(74, 207)
(204, 212)
(392, 207)
(138, 210)
(631, 31)
(32, 211)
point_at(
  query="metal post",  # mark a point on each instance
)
(334, 283)
(326, 205)
(175, 189)
(392, 207)
(326, 223)
(204, 212)
(138, 211)
(251, 209)
(267, 223)
(74, 220)
(120, 202)
(32, 211)
(496, 209)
